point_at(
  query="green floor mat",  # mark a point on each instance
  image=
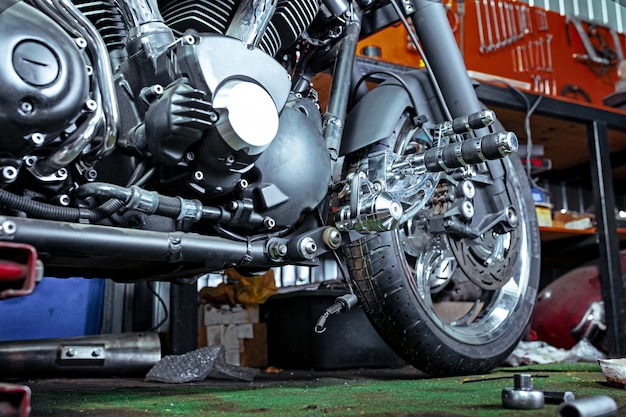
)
(320, 394)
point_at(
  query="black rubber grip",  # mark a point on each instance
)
(472, 151)
(474, 121)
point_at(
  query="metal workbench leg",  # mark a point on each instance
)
(183, 318)
(608, 242)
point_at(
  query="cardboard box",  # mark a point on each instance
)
(544, 214)
(244, 344)
(210, 315)
(253, 350)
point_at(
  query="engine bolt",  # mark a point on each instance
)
(81, 43)
(277, 250)
(38, 139)
(198, 175)
(269, 223)
(467, 208)
(230, 159)
(90, 174)
(30, 161)
(64, 200)
(189, 40)
(149, 94)
(91, 105)
(332, 238)
(9, 227)
(307, 247)
(9, 173)
(511, 216)
(469, 191)
(61, 173)
(242, 184)
(190, 156)
(26, 107)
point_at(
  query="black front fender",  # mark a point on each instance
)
(376, 114)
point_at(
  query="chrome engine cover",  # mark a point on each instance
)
(44, 79)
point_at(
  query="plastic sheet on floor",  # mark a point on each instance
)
(198, 365)
(538, 352)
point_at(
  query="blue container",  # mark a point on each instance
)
(65, 307)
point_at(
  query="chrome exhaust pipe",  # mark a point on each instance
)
(109, 354)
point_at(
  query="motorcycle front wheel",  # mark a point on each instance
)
(445, 304)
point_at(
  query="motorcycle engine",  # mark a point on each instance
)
(213, 116)
(263, 144)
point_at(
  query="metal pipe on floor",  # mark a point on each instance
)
(110, 354)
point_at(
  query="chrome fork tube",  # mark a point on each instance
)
(446, 61)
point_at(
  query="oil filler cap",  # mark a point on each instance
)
(35, 63)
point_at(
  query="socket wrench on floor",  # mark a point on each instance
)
(524, 397)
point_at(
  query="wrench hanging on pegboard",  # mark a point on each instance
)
(511, 42)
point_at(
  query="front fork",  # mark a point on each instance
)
(372, 207)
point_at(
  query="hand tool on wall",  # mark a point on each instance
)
(481, 32)
(591, 53)
(506, 36)
(549, 52)
(490, 45)
(494, 13)
(542, 20)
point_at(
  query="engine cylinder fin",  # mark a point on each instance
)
(106, 18)
(212, 16)
(289, 22)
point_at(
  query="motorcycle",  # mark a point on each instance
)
(164, 140)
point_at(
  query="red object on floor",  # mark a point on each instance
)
(565, 304)
(14, 400)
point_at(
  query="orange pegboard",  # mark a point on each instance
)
(527, 47)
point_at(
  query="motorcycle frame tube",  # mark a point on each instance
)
(334, 118)
(446, 61)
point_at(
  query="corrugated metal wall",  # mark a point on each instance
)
(611, 13)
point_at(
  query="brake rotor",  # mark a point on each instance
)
(488, 261)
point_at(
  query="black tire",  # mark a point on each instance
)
(408, 316)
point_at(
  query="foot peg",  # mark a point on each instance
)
(459, 154)
(472, 151)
